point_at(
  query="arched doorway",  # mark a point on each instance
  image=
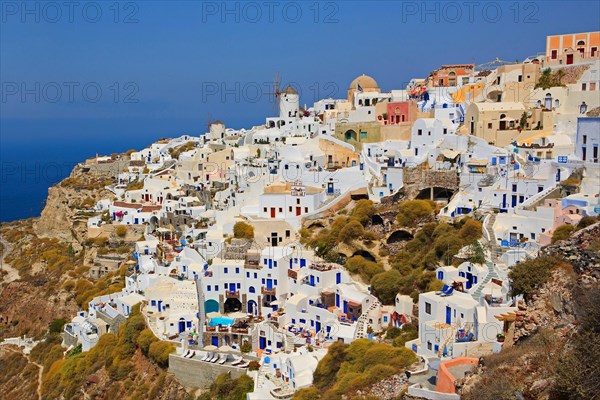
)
(153, 223)
(211, 306)
(252, 307)
(232, 305)
(350, 135)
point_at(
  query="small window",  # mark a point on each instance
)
(489, 125)
(427, 308)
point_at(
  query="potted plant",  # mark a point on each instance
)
(500, 337)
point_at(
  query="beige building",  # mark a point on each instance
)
(498, 123)
(337, 155)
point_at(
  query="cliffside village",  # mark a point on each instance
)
(503, 139)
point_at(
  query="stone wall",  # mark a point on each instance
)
(419, 178)
(192, 372)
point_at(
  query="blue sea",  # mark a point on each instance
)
(37, 153)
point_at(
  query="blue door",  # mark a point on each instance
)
(262, 343)
(514, 200)
(345, 307)
(469, 280)
(181, 326)
(504, 200)
(232, 287)
(137, 221)
(159, 305)
(302, 262)
(317, 326)
(214, 341)
(312, 280)
(337, 300)
(338, 277)
(448, 315)
(269, 283)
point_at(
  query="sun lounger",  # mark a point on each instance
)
(209, 357)
(444, 290)
(205, 357)
(193, 354)
(187, 354)
(215, 358)
(237, 360)
(244, 365)
(222, 359)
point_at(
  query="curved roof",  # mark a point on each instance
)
(365, 82)
(290, 90)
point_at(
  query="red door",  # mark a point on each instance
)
(272, 212)
(569, 59)
(298, 210)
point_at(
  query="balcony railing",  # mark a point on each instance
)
(232, 295)
(270, 291)
(292, 274)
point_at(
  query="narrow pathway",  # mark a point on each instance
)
(12, 273)
(40, 370)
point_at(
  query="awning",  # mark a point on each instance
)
(450, 154)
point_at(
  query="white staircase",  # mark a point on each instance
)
(362, 325)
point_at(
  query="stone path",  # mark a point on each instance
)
(12, 273)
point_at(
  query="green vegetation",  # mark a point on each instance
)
(225, 388)
(135, 185)
(385, 285)
(242, 230)
(587, 221)
(407, 333)
(65, 377)
(363, 267)
(550, 79)
(562, 233)
(413, 212)
(344, 229)
(57, 325)
(527, 276)
(348, 368)
(86, 182)
(412, 267)
(175, 152)
(246, 347)
(121, 230)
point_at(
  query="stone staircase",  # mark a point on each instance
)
(495, 250)
(362, 325)
(491, 274)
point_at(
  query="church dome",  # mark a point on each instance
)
(365, 82)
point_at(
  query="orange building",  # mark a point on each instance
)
(572, 48)
(450, 75)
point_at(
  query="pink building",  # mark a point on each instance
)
(569, 215)
(397, 112)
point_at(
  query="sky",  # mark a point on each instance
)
(104, 76)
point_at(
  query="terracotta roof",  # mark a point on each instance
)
(151, 208)
(123, 204)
